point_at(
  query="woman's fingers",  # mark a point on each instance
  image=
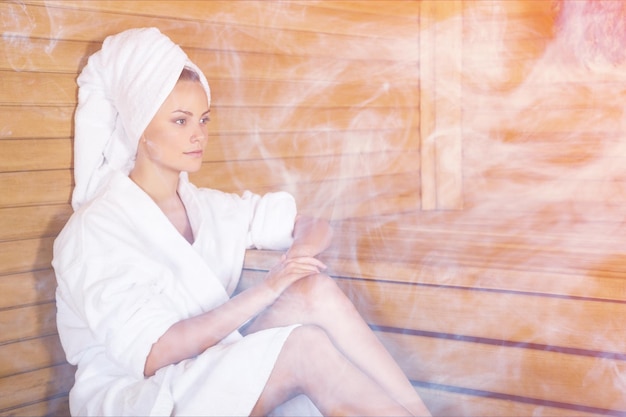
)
(305, 260)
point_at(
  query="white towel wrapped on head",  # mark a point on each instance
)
(120, 90)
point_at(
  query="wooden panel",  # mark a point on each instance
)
(35, 154)
(34, 386)
(519, 319)
(311, 16)
(58, 406)
(510, 371)
(30, 355)
(454, 403)
(32, 287)
(61, 89)
(37, 88)
(608, 286)
(27, 322)
(36, 122)
(440, 108)
(25, 255)
(36, 21)
(35, 187)
(33, 222)
(256, 174)
(307, 144)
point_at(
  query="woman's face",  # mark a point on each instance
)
(177, 135)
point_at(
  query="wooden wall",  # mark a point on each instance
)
(469, 153)
(319, 98)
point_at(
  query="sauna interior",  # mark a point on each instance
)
(470, 155)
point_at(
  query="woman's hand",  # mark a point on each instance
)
(290, 270)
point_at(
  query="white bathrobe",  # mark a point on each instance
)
(125, 275)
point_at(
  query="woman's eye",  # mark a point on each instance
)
(205, 120)
(180, 121)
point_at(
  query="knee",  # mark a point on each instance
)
(321, 293)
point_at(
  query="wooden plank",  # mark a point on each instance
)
(532, 194)
(533, 321)
(37, 88)
(31, 387)
(17, 256)
(386, 7)
(56, 122)
(51, 122)
(317, 94)
(35, 20)
(32, 287)
(508, 318)
(35, 154)
(31, 54)
(299, 16)
(61, 89)
(450, 403)
(35, 187)
(23, 53)
(27, 322)
(273, 172)
(33, 222)
(57, 406)
(570, 380)
(255, 145)
(30, 355)
(287, 119)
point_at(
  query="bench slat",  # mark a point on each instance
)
(511, 371)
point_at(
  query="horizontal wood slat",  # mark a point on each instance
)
(306, 16)
(27, 322)
(57, 406)
(34, 88)
(28, 355)
(19, 256)
(56, 121)
(36, 21)
(35, 154)
(32, 287)
(530, 319)
(451, 402)
(34, 386)
(533, 374)
(35, 187)
(261, 173)
(18, 223)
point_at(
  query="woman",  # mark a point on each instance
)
(148, 264)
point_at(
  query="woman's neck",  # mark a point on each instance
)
(161, 186)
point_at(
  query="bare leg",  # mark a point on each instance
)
(318, 301)
(310, 364)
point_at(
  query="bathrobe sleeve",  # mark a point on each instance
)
(264, 221)
(272, 224)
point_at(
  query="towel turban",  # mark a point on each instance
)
(120, 90)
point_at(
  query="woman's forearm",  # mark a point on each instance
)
(190, 337)
(311, 237)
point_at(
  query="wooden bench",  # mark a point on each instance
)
(487, 322)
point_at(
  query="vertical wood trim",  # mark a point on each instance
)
(427, 108)
(440, 110)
